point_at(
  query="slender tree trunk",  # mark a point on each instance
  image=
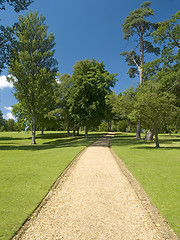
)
(156, 140)
(109, 126)
(149, 136)
(86, 131)
(138, 130)
(33, 128)
(74, 130)
(42, 131)
(68, 134)
(77, 131)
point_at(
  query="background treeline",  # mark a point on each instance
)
(85, 100)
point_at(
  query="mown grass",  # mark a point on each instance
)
(27, 172)
(158, 171)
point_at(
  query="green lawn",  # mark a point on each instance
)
(27, 172)
(158, 171)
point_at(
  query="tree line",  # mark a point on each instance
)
(50, 101)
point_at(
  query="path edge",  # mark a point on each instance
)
(159, 221)
(58, 182)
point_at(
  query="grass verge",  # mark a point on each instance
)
(156, 169)
(27, 172)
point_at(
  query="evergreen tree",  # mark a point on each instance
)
(136, 25)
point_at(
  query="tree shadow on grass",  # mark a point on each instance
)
(142, 144)
(55, 143)
(160, 148)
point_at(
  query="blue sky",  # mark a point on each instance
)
(86, 29)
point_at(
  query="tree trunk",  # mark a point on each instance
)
(156, 140)
(42, 132)
(86, 131)
(138, 130)
(149, 136)
(77, 131)
(74, 130)
(33, 128)
(109, 126)
(68, 134)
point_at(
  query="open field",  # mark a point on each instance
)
(158, 170)
(27, 172)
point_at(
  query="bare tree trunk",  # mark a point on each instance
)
(149, 136)
(74, 130)
(68, 134)
(33, 129)
(77, 131)
(138, 130)
(140, 68)
(156, 140)
(86, 131)
(109, 126)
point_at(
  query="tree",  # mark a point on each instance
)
(155, 107)
(122, 106)
(32, 67)
(18, 5)
(62, 95)
(90, 85)
(166, 69)
(11, 125)
(2, 122)
(136, 24)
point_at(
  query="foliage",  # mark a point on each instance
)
(136, 24)
(90, 85)
(62, 95)
(155, 108)
(6, 33)
(18, 5)
(33, 68)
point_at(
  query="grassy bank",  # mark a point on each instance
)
(158, 171)
(27, 172)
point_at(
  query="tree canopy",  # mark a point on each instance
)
(90, 85)
(18, 5)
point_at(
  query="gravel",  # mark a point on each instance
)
(94, 201)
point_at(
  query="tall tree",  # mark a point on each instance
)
(91, 84)
(136, 25)
(33, 67)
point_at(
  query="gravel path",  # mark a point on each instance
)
(94, 201)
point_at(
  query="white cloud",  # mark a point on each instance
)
(8, 108)
(9, 116)
(4, 83)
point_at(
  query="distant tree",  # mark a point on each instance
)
(122, 106)
(90, 85)
(2, 122)
(136, 24)
(11, 125)
(62, 95)
(32, 67)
